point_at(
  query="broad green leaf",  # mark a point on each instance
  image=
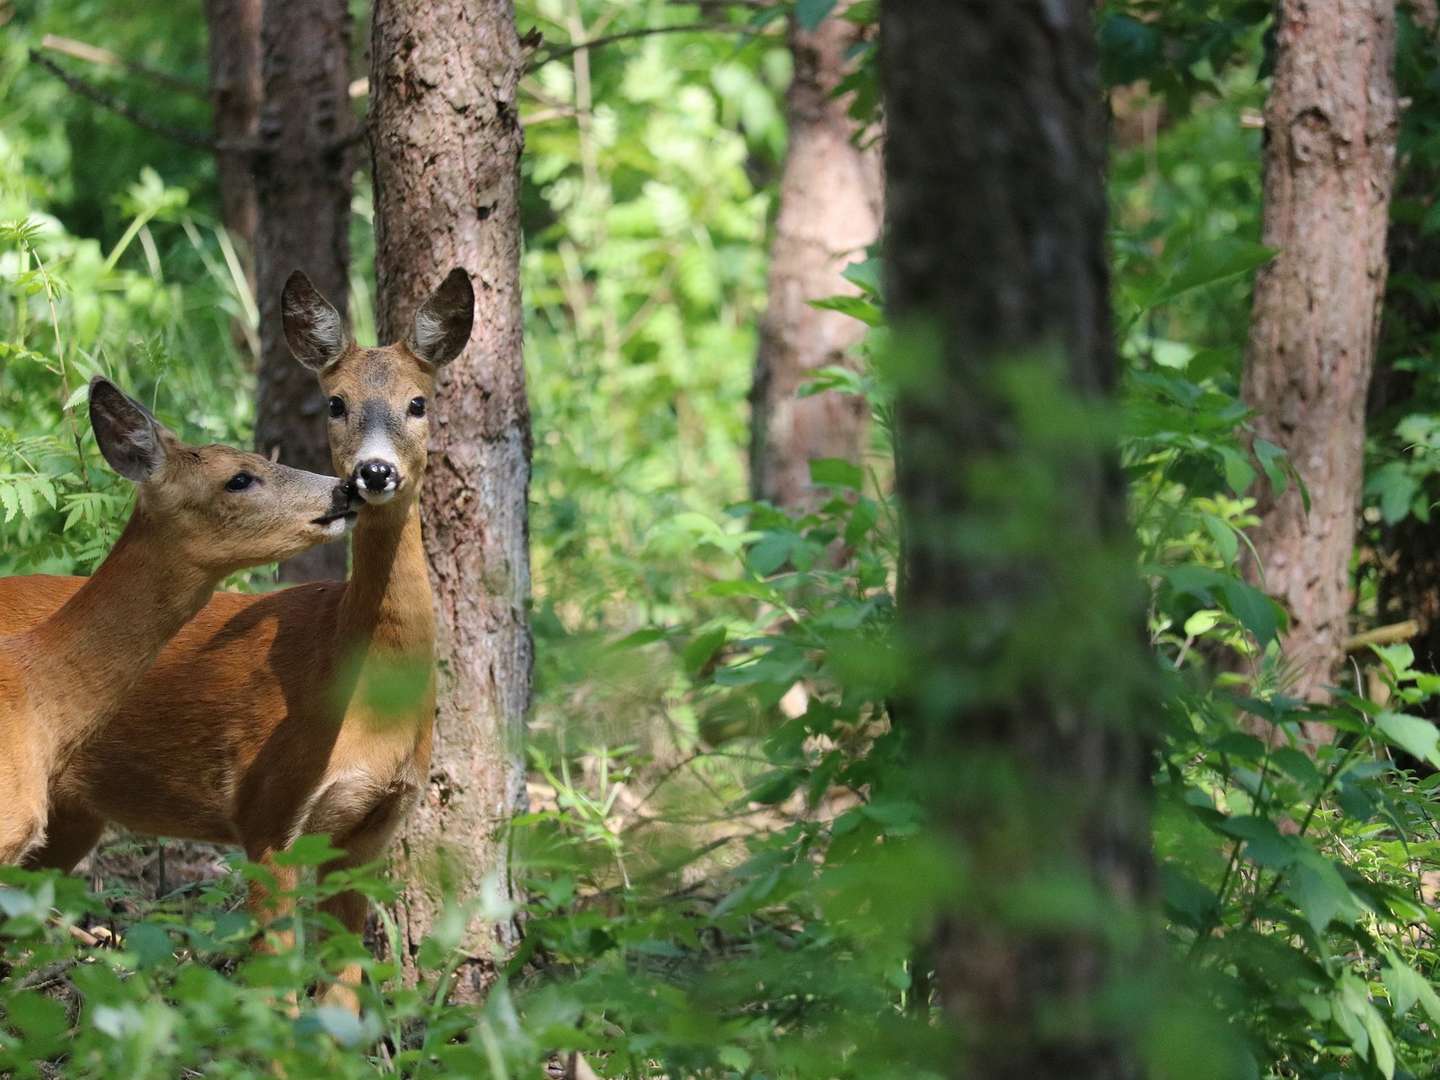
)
(1415, 736)
(1319, 891)
(836, 472)
(1263, 843)
(1256, 611)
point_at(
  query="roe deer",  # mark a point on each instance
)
(272, 716)
(201, 512)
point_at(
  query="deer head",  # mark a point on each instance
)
(379, 399)
(218, 508)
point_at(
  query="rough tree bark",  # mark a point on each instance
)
(830, 205)
(1330, 126)
(234, 45)
(303, 187)
(446, 140)
(1021, 611)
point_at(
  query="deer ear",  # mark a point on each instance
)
(442, 325)
(131, 440)
(314, 330)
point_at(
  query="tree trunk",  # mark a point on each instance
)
(1330, 127)
(830, 204)
(235, 88)
(446, 140)
(1019, 603)
(303, 186)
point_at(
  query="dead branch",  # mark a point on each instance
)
(560, 52)
(95, 54)
(108, 101)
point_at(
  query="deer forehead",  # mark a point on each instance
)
(379, 373)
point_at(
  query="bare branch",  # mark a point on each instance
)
(95, 54)
(187, 136)
(560, 52)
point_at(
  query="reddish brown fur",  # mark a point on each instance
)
(65, 669)
(258, 723)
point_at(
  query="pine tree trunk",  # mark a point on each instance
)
(446, 140)
(303, 186)
(1021, 611)
(1330, 127)
(830, 204)
(234, 44)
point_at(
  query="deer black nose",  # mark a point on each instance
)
(378, 476)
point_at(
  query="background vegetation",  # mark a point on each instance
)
(724, 858)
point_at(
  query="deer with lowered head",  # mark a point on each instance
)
(310, 709)
(201, 513)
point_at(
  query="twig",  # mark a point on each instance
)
(95, 54)
(1383, 635)
(46, 975)
(560, 52)
(186, 136)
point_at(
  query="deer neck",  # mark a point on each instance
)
(387, 602)
(85, 658)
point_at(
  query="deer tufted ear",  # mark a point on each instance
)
(442, 325)
(131, 440)
(314, 330)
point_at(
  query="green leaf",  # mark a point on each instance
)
(1319, 891)
(811, 13)
(340, 1024)
(1398, 658)
(1224, 536)
(1207, 264)
(702, 650)
(1396, 485)
(1415, 736)
(1239, 473)
(1256, 611)
(313, 850)
(857, 307)
(1263, 843)
(1272, 460)
(40, 1019)
(836, 472)
(864, 274)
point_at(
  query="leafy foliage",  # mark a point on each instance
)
(727, 865)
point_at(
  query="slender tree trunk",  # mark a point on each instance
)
(446, 140)
(303, 186)
(1019, 602)
(235, 88)
(1330, 127)
(830, 204)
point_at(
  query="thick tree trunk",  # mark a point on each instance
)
(235, 88)
(1019, 603)
(303, 186)
(830, 204)
(446, 139)
(1330, 127)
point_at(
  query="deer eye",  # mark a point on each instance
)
(417, 406)
(337, 407)
(239, 482)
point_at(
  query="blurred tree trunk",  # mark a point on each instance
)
(303, 187)
(235, 88)
(1021, 610)
(1330, 126)
(830, 204)
(446, 140)
(1406, 556)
